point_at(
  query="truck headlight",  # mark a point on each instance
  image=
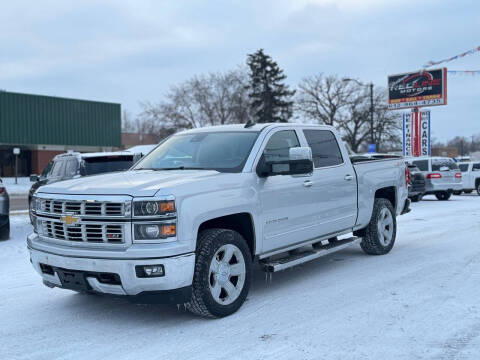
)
(153, 207)
(152, 231)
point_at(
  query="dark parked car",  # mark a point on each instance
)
(72, 165)
(416, 185)
(4, 211)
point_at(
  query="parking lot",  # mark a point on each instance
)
(421, 300)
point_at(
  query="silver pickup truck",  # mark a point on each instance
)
(185, 224)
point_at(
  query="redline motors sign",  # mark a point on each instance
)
(416, 133)
(422, 88)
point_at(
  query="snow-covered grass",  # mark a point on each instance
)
(20, 189)
(419, 301)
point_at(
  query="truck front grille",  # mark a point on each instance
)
(82, 207)
(84, 221)
(91, 233)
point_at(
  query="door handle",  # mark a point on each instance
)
(348, 177)
(308, 183)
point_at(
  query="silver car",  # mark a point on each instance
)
(4, 210)
(442, 175)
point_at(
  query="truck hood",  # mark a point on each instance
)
(134, 183)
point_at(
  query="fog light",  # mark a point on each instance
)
(145, 271)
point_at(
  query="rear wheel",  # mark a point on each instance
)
(457, 193)
(222, 273)
(381, 231)
(443, 195)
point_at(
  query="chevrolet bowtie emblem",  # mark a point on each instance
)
(69, 219)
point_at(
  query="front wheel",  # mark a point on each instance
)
(222, 273)
(381, 231)
(443, 195)
(478, 188)
(468, 191)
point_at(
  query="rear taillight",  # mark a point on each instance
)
(2, 190)
(458, 175)
(408, 177)
(434, 176)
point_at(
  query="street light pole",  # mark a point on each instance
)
(372, 135)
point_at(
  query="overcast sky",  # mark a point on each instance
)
(132, 51)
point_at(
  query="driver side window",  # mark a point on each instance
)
(279, 144)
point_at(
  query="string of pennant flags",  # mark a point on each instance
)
(469, 52)
(464, 72)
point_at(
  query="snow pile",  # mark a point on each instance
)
(20, 189)
(419, 301)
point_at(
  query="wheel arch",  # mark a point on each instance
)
(241, 222)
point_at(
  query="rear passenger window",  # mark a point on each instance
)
(325, 150)
(278, 147)
(463, 167)
(476, 167)
(421, 164)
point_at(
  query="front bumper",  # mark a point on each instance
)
(177, 278)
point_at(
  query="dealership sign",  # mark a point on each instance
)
(416, 133)
(416, 89)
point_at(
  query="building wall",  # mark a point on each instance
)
(35, 119)
(445, 151)
(132, 139)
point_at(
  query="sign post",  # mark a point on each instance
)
(412, 91)
(16, 152)
(416, 133)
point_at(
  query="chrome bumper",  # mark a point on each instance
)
(178, 272)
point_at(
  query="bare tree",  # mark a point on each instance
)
(128, 124)
(213, 99)
(346, 105)
(324, 99)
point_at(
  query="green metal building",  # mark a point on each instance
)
(43, 126)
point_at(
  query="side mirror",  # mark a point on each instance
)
(34, 178)
(299, 163)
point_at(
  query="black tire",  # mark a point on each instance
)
(209, 242)
(443, 195)
(371, 242)
(478, 188)
(467, 191)
(416, 198)
(5, 231)
(457, 193)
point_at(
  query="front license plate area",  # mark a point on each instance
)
(73, 280)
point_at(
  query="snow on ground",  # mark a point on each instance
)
(421, 301)
(20, 189)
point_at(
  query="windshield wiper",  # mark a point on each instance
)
(174, 168)
(183, 168)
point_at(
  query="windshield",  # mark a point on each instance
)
(105, 164)
(46, 170)
(439, 163)
(221, 151)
